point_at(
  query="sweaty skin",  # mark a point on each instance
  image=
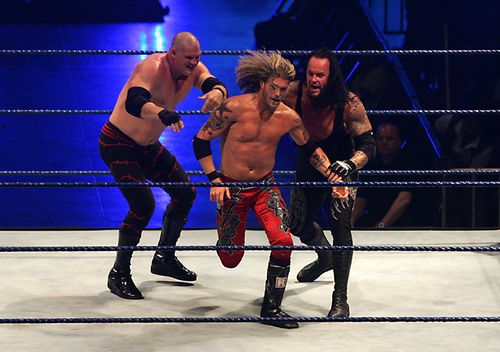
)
(169, 77)
(251, 126)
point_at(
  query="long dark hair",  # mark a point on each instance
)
(336, 91)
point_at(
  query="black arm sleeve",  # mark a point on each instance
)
(366, 143)
(136, 98)
(308, 148)
(201, 148)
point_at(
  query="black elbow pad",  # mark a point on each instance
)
(136, 98)
(308, 148)
(201, 148)
(366, 143)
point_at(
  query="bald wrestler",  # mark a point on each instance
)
(129, 146)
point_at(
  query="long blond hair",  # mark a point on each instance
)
(259, 66)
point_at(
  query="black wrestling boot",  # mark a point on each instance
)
(169, 265)
(341, 268)
(324, 263)
(120, 283)
(277, 277)
(166, 263)
(340, 308)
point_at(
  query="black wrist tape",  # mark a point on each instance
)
(213, 175)
(168, 117)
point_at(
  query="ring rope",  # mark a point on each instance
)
(243, 52)
(198, 112)
(252, 248)
(437, 319)
(254, 184)
(277, 172)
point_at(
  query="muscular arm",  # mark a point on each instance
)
(144, 76)
(215, 96)
(358, 124)
(397, 209)
(217, 123)
(219, 120)
(318, 159)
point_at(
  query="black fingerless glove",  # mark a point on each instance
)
(342, 168)
(168, 117)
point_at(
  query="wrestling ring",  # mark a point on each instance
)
(55, 290)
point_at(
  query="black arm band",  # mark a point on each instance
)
(210, 83)
(201, 148)
(213, 175)
(136, 98)
(366, 144)
(308, 148)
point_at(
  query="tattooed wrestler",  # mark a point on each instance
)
(250, 127)
(336, 121)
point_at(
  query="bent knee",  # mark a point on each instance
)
(230, 260)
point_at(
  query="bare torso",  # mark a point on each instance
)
(249, 144)
(165, 91)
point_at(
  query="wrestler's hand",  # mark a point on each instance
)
(219, 194)
(341, 192)
(343, 168)
(171, 119)
(332, 177)
(176, 127)
(213, 99)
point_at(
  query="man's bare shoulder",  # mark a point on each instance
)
(200, 69)
(354, 104)
(234, 107)
(288, 113)
(242, 102)
(149, 65)
(293, 88)
(291, 94)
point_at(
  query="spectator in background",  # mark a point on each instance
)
(469, 141)
(384, 207)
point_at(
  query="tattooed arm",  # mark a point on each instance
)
(318, 159)
(359, 126)
(218, 122)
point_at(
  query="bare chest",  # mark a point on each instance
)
(268, 132)
(169, 94)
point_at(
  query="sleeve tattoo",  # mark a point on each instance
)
(216, 121)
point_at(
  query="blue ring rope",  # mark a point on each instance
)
(244, 52)
(492, 112)
(253, 184)
(494, 171)
(147, 320)
(252, 248)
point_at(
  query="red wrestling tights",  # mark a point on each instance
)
(271, 212)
